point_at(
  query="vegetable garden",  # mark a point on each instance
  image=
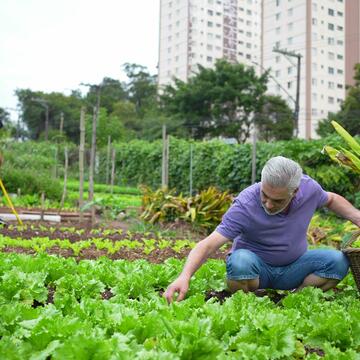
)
(79, 292)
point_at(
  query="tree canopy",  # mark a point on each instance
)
(349, 114)
(217, 102)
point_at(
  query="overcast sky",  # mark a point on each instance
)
(54, 45)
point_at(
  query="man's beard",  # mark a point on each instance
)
(278, 211)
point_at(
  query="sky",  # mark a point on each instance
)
(54, 45)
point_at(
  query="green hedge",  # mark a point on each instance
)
(227, 167)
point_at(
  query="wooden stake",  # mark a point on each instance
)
(113, 155)
(81, 162)
(65, 179)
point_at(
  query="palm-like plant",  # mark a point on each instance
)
(344, 157)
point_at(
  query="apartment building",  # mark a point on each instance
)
(352, 39)
(196, 32)
(200, 31)
(314, 29)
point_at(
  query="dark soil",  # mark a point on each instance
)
(317, 351)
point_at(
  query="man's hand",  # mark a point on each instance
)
(180, 286)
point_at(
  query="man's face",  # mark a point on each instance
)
(275, 200)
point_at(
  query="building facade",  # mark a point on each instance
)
(200, 31)
(196, 32)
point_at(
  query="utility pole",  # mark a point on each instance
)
(45, 104)
(287, 53)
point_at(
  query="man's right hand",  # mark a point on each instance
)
(179, 286)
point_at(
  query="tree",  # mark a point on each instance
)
(112, 91)
(107, 125)
(141, 87)
(275, 121)
(219, 101)
(34, 114)
(349, 114)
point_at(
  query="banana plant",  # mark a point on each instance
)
(344, 157)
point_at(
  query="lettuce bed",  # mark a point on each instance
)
(56, 308)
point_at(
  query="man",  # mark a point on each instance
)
(268, 222)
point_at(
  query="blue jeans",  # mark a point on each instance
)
(326, 263)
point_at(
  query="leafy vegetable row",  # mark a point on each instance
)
(75, 322)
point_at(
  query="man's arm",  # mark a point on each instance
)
(343, 208)
(196, 258)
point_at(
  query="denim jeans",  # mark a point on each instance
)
(326, 263)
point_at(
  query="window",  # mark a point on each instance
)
(209, 59)
(340, 42)
(331, 70)
(331, 85)
(248, 45)
(277, 73)
(331, 41)
(340, 28)
(331, 56)
(277, 16)
(209, 47)
(210, 12)
(290, 26)
(340, 72)
(277, 30)
(340, 86)
(313, 111)
(277, 44)
(248, 56)
(290, 70)
(290, 12)
(314, 21)
(289, 84)
(331, 12)
(314, 7)
(277, 59)
(277, 2)
(314, 96)
(313, 82)
(340, 14)
(210, 24)
(331, 100)
(331, 27)
(290, 40)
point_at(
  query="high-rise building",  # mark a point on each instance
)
(352, 38)
(316, 31)
(200, 31)
(196, 32)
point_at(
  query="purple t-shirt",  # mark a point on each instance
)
(277, 239)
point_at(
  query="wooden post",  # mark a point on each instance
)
(61, 123)
(253, 158)
(113, 155)
(81, 162)
(108, 159)
(42, 206)
(65, 179)
(165, 159)
(56, 160)
(191, 170)
(92, 165)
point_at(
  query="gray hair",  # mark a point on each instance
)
(280, 171)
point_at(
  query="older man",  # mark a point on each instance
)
(267, 223)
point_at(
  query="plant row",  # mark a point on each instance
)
(56, 308)
(42, 244)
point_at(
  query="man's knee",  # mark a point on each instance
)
(337, 264)
(242, 265)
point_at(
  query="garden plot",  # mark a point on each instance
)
(56, 308)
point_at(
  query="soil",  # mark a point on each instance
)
(58, 232)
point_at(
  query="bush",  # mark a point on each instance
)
(31, 182)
